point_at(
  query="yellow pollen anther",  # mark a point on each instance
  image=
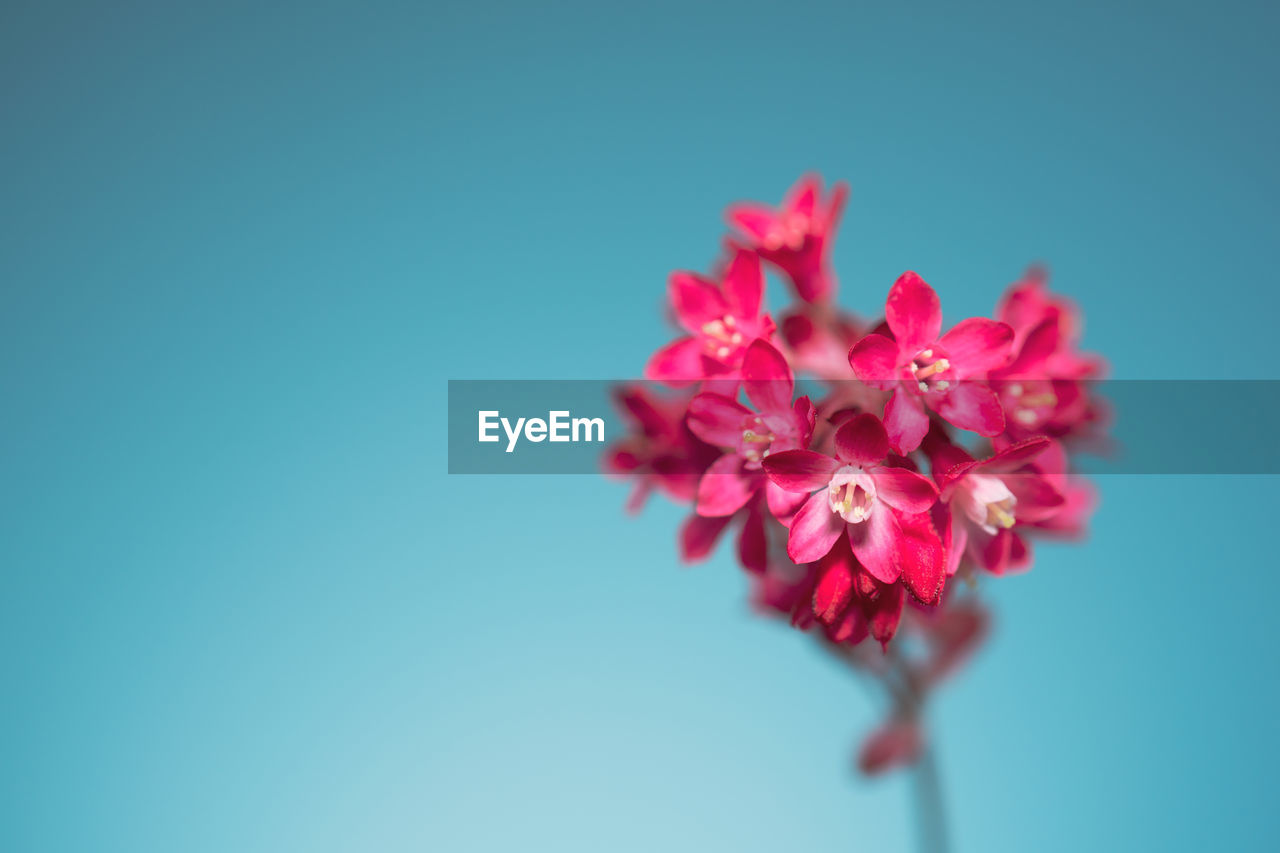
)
(999, 516)
(937, 367)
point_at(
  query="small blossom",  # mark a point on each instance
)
(882, 510)
(797, 237)
(660, 452)
(925, 370)
(721, 320)
(991, 501)
(749, 437)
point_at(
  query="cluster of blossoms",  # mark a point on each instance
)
(919, 458)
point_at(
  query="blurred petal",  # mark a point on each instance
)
(743, 284)
(716, 419)
(977, 345)
(726, 486)
(696, 301)
(782, 503)
(974, 407)
(753, 550)
(698, 536)
(678, 362)
(767, 378)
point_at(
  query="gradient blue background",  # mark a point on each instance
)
(242, 249)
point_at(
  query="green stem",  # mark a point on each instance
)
(932, 815)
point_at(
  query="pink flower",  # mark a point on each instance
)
(700, 533)
(721, 321)
(923, 369)
(881, 509)
(991, 501)
(1079, 497)
(1041, 388)
(797, 237)
(660, 452)
(750, 436)
(1029, 308)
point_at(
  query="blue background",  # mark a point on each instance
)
(243, 248)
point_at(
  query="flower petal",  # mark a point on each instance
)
(1014, 456)
(743, 284)
(977, 345)
(806, 418)
(753, 549)
(994, 551)
(835, 584)
(698, 536)
(874, 360)
(800, 470)
(679, 362)
(905, 421)
(782, 503)
(913, 313)
(802, 197)
(885, 612)
(875, 542)
(696, 301)
(716, 419)
(767, 378)
(972, 406)
(1036, 497)
(862, 440)
(903, 489)
(726, 486)
(814, 530)
(753, 219)
(924, 564)
(955, 535)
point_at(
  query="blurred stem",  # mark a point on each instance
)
(932, 817)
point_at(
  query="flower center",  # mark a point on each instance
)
(1030, 403)
(756, 438)
(929, 370)
(722, 336)
(851, 494)
(789, 232)
(989, 502)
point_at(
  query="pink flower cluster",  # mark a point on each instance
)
(918, 458)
